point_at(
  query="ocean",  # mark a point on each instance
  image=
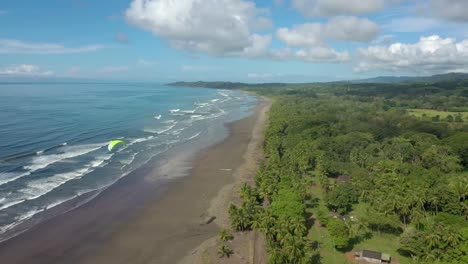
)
(54, 137)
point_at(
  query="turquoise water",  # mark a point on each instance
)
(53, 137)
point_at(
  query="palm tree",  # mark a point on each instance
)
(461, 189)
(453, 239)
(416, 216)
(225, 251)
(432, 239)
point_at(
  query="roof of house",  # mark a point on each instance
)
(371, 254)
(343, 178)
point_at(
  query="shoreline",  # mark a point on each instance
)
(143, 219)
(248, 247)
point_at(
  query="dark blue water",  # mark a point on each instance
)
(53, 137)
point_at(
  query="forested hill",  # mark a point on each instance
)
(399, 79)
(225, 85)
(381, 167)
(449, 77)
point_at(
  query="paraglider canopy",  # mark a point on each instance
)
(114, 143)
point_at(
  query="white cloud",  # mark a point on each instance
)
(215, 27)
(11, 46)
(342, 28)
(412, 24)
(113, 69)
(384, 40)
(348, 28)
(429, 55)
(453, 10)
(321, 54)
(146, 63)
(325, 8)
(25, 70)
(309, 34)
(314, 54)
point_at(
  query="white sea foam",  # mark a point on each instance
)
(138, 140)
(189, 111)
(39, 187)
(178, 131)
(158, 117)
(161, 131)
(194, 136)
(130, 160)
(43, 161)
(6, 177)
(174, 111)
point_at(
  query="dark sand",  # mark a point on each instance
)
(139, 219)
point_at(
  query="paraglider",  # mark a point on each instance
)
(114, 143)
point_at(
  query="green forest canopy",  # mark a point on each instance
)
(407, 174)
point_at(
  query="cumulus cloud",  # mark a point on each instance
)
(348, 28)
(429, 55)
(325, 8)
(11, 46)
(342, 28)
(215, 27)
(25, 70)
(313, 54)
(453, 10)
(308, 34)
(113, 69)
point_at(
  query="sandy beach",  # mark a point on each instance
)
(143, 220)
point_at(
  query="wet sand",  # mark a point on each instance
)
(145, 218)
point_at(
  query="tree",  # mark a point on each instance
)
(341, 198)
(340, 233)
(458, 118)
(436, 118)
(450, 118)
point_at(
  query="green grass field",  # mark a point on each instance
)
(431, 113)
(384, 243)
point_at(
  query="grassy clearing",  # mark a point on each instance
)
(328, 253)
(429, 113)
(384, 243)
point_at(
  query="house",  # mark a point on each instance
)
(343, 178)
(372, 256)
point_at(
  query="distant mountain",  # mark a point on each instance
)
(224, 85)
(399, 79)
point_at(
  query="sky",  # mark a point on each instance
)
(231, 40)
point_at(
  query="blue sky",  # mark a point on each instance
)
(237, 40)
